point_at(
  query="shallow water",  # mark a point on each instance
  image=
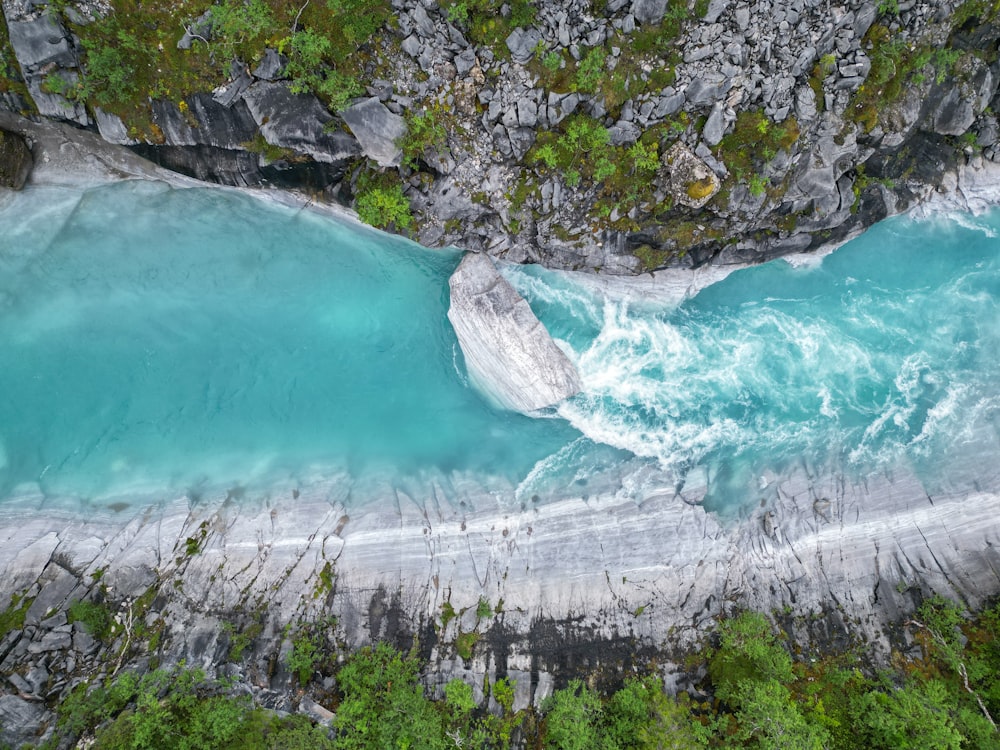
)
(156, 340)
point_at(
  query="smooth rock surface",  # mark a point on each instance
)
(508, 352)
(377, 130)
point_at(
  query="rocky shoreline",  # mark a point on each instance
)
(722, 132)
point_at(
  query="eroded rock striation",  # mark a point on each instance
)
(508, 352)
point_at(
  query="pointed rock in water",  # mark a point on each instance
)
(508, 351)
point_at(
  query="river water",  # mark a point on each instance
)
(158, 341)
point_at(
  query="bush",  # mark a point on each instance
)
(573, 717)
(95, 618)
(383, 704)
(748, 652)
(304, 657)
(381, 203)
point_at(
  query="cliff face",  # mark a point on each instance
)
(617, 138)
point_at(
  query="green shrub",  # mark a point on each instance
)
(425, 130)
(748, 652)
(95, 618)
(304, 657)
(483, 608)
(590, 71)
(573, 718)
(12, 618)
(381, 203)
(641, 716)
(383, 704)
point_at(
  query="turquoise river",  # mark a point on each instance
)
(157, 342)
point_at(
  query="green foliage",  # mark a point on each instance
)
(109, 71)
(910, 718)
(381, 203)
(640, 716)
(888, 7)
(458, 696)
(768, 718)
(572, 720)
(447, 614)
(748, 652)
(94, 617)
(503, 694)
(754, 141)
(304, 656)
(383, 705)
(483, 608)
(552, 62)
(483, 22)
(582, 148)
(425, 131)
(309, 66)
(465, 643)
(757, 185)
(590, 71)
(12, 618)
(238, 22)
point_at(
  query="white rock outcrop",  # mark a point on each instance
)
(508, 352)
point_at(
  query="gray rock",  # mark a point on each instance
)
(692, 182)
(707, 89)
(508, 352)
(271, 67)
(40, 42)
(715, 9)
(715, 125)
(58, 584)
(521, 139)
(297, 121)
(412, 46)
(198, 30)
(231, 92)
(669, 104)
(527, 113)
(206, 122)
(805, 104)
(378, 130)
(112, 129)
(53, 641)
(21, 721)
(742, 17)
(522, 43)
(15, 160)
(465, 61)
(20, 684)
(623, 133)
(648, 11)
(422, 22)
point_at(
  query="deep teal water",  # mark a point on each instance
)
(155, 340)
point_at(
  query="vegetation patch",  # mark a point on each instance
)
(380, 201)
(465, 643)
(12, 618)
(95, 618)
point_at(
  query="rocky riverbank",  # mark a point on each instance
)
(585, 581)
(617, 138)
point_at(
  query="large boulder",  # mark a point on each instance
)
(508, 352)
(44, 52)
(298, 122)
(15, 160)
(377, 130)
